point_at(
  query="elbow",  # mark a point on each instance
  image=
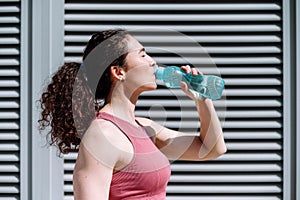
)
(220, 151)
(214, 154)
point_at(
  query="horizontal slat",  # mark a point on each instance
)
(195, 50)
(220, 103)
(10, 197)
(253, 146)
(9, 179)
(9, 157)
(9, 104)
(208, 60)
(252, 92)
(227, 124)
(214, 178)
(245, 71)
(9, 94)
(214, 197)
(203, 167)
(9, 30)
(9, 83)
(9, 51)
(228, 114)
(9, 62)
(9, 9)
(10, 41)
(213, 189)
(219, 60)
(173, 7)
(68, 177)
(69, 166)
(244, 135)
(9, 189)
(9, 20)
(9, 126)
(239, 167)
(10, 1)
(222, 197)
(9, 115)
(258, 156)
(70, 156)
(208, 39)
(162, 39)
(9, 135)
(182, 28)
(11, 168)
(224, 189)
(208, 49)
(171, 17)
(68, 197)
(251, 178)
(259, 135)
(253, 81)
(9, 147)
(9, 72)
(227, 92)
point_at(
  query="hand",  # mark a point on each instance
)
(188, 70)
(191, 93)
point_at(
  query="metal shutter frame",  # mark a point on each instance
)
(252, 169)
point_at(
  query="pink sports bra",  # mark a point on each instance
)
(147, 175)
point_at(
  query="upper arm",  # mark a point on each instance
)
(95, 163)
(174, 144)
(91, 178)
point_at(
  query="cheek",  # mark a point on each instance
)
(140, 75)
(133, 62)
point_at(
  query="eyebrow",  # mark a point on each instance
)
(141, 50)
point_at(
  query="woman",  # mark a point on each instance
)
(120, 156)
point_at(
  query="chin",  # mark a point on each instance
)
(152, 86)
(149, 87)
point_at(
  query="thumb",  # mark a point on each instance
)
(184, 86)
(191, 93)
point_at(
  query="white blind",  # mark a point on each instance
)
(243, 39)
(9, 100)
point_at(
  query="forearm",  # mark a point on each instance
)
(211, 134)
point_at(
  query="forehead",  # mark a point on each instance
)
(133, 44)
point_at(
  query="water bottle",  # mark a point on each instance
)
(208, 86)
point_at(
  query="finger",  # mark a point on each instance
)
(186, 68)
(194, 71)
(199, 72)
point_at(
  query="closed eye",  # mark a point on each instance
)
(142, 52)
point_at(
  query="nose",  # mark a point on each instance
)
(152, 62)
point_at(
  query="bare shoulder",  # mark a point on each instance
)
(102, 131)
(105, 142)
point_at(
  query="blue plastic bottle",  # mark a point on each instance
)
(208, 86)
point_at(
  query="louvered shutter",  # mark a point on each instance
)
(9, 102)
(244, 40)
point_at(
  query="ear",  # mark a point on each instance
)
(117, 73)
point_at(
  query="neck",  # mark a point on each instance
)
(121, 105)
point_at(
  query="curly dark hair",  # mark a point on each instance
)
(68, 96)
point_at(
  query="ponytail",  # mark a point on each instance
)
(66, 106)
